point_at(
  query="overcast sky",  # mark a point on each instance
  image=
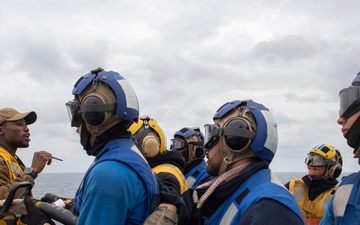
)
(184, 60)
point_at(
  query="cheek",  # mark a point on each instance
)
(214, 155)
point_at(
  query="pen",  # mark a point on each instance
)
(56, 158)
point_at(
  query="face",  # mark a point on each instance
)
(15, 134)
(316, 172)
(347, 123)
(215, 159)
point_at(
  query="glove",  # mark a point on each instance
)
(49, 198)
(35, 215)
(162, 216)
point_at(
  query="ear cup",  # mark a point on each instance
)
(93, 118)
(235, 142)
(334, 171)
(150, 146)
(199, 152)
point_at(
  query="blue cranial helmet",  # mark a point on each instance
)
(99, 92)
(244, 125)
(193, 139)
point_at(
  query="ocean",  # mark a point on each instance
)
(66, 184)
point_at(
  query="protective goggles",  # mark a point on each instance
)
(75, 109)
(214, 131)
(317, 160)
(74, 116)
(177, 144)
(349, 101)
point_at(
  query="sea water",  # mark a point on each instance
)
(66, 184)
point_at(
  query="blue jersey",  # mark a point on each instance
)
(259, 186)
(118, 188)
(196, 174)
(344, 207)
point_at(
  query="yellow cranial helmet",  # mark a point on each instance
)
(148, 136)
(326, 155)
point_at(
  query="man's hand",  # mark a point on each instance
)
(35, 215)
(40, 160)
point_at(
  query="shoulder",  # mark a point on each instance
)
(350, 178)
(114, 172)
(263, 211)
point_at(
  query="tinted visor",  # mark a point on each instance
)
(316, 160)
(212, 134)
(349, 101)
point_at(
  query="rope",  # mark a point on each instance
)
(214, 183)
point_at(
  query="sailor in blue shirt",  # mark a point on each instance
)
(242, 190)
(119, 186)
(189, 142)
(344, 207)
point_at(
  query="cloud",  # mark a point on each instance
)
(184, 60)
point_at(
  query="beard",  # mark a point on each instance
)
(214, 162)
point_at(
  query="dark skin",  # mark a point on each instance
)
(16, 134)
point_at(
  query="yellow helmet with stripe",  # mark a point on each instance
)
(148, 136)
(326, 155)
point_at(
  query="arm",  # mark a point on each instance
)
(168, 183)
(35, 215)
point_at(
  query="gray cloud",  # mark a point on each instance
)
(184, 60)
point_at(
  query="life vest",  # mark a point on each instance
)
(314, 209)
(346, 202)
(196, 174)
(174, 170)
(14, 170)
(261, 185)
(124, 151)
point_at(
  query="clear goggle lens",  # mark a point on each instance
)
(315, 160)
(74, 116)
(177, 144)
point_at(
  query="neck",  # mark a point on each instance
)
(239, 163)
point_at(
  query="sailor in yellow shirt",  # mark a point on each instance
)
(14, 134)
(313, 191)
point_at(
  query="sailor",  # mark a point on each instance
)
(189, 142)
(239, 147)
(118, 188)
(313, 191)
(167, 165)
(344, 207)
(14, 134)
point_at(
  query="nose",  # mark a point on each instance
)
(341, 120)
(26, 128)
(206, 150)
